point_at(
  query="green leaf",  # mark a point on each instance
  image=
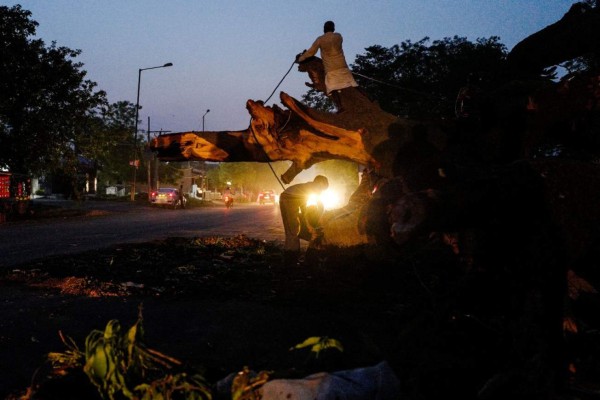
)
(311, 341)
(319, 343)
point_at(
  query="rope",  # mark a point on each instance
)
(284, 76)
(252, 131)
(398, 87)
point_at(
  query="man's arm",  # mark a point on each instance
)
(310, 52)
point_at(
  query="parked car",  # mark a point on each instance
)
(167, 197)
(267, 196)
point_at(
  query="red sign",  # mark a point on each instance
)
(4, 186)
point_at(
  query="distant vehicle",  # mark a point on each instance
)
(167, 197)
(267, 196)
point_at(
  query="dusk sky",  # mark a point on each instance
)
(226, 52)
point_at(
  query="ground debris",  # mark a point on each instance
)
(407, 308)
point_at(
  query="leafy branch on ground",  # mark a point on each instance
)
(120, 365)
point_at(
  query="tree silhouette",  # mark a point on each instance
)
(45, 100)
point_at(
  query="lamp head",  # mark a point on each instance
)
(168, 65)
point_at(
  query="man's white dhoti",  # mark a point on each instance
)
(340, 78)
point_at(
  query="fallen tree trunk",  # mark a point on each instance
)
(293, 135)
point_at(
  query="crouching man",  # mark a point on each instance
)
(300, 222)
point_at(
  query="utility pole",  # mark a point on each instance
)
(153, 176)
(150, 160)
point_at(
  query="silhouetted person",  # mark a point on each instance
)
(180, 198)
(337, 73)
(293, 206)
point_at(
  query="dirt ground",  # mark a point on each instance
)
(219, 304)
(216, 303)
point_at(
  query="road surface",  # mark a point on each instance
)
(112, 223)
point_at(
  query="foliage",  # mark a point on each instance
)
(116, 363)
(589, 61)
(421, 79)
(583, 63)
(120, 366)
(248, 176)
(318, 100)
(246, 384)
(109, 141)
(339, 170)
(52, 121)
(318, 344)
(170, 173)
(45, 100)
(70, 359)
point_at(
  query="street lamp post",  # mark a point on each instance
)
(207, 111)
(203, 184)
(137, 110)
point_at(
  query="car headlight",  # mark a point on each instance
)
(313, 200)
(330, 199)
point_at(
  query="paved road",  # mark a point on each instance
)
(124, 223)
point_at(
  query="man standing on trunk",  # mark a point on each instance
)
(337, 73)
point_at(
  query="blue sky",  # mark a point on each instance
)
(226, 52)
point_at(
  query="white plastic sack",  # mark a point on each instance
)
(372, 383)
